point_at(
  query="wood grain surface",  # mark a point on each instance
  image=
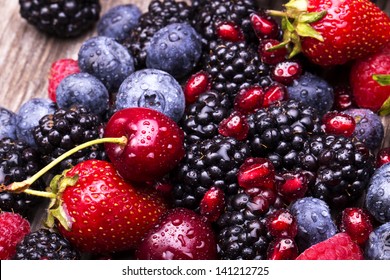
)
(26, 56)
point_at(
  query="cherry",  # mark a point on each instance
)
(338, 123)
(274, 93)
(282, 249)
(265, 27)
(292, 185)
(155, 143)
(249, 99)
(287, 71)
(282, 223)
(197, 84)
(229, 31)
(271, 56)
(235, 126)
(180, 235)
(383, 157)
(357, 224)
(212, 204)
(256, 173)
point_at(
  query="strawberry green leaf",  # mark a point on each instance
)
(298, 5)
(305, 30)
(382, 79)
(311, 17)
(385, 109)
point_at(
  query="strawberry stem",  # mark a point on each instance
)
(24, 185)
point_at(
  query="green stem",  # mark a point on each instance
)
(276, 13)
(40, 193)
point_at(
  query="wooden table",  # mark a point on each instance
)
(26, 56)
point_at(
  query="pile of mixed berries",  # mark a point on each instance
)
(204, 130)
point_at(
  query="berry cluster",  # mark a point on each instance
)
(203, 131)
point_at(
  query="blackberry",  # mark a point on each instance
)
(65, 129)
(62, 18)
(341, 166)
(235, 65)
(19, 161)
(242, 231)
(45, 245)
(202, 118)
(280, 131)
(160, 13)
(208, 163)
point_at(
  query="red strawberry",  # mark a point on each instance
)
(338, 247)
(334, 32)
(366, 91)
(99, 212)
(13, 228)
(181, 234)
(58, 71)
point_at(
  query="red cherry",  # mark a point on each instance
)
(357, 224)
(155, 144)
(180, 235)
(286, 72)
(271, 56)
(274, 93)
(282, 223)
(383, 157)
(235, 126)
(339, 123)
(292, 185)
(197, 84)
(229, 31)
(265, 27)
(256, 173)
(212, 204)
(282, 249)
(249, 99)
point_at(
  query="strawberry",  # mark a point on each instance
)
(338, 247)
(58, 71)
(332, 32)
(99, 212)
(367, 92)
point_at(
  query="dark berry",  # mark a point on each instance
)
(378, 246)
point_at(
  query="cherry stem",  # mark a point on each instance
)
(24, 185)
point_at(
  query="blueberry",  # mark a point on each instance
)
(313, 91)
(28, 116)
(369, 128)
(175, 48)
(378, 194)
(107, 60)
(314, 221)
(83, 89)
(7, 124)
(118, 22)
(378, 243)
(153, 89)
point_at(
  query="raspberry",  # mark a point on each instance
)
(337, 247)
(59, 70)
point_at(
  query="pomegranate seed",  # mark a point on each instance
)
(268, 194)
(343, 98)
(264, 26)
(249, 99)
(282, 249)
(258, 205)
(282, 223)
(286, 72)
(256, 173)
(338, 123)
(235, 126)
(271, 56)
(292, 185)
(383, 157)
(274, 93)
(197, 84)
(212, 204)
(357, 224)
(229, 31)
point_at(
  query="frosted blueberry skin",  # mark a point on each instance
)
(118, 22)
(152, 88)
(378, 194)
(175, 48)
(7, 124)
(378, 243)
(107, 60)
(313, 91)
(83, 89)
(369, 128)
(315, 223)
(28, 117)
